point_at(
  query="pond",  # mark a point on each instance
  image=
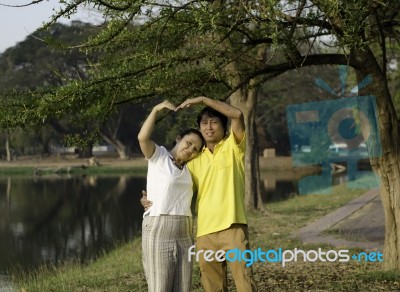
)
(51, 219)
(48, 220)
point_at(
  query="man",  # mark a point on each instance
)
(218, 176)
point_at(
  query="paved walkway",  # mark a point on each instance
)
(359, 223)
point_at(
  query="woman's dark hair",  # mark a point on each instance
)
(193, 131)
(212, 113)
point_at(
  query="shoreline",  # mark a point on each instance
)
(61, 161)
(273, 163)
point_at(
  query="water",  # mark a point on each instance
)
(49, 220)
(278, 186)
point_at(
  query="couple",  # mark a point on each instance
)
(211, 162)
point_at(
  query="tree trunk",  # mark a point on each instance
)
(246, 100)
(119, 146)
(252, 167)
(86, 151)
(121, 150)
(387, 165)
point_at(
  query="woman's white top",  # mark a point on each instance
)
(169, 188)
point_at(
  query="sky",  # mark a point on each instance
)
(17, 23)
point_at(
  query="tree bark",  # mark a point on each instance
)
(119, 146)
(86, 151)
(253, 197)
(246, 100)
(386, 166)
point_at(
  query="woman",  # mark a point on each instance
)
(167, 224)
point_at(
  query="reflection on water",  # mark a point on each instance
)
(49, 220)
(53, 219)
(278, 186)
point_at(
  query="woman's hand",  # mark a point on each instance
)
(165, 104)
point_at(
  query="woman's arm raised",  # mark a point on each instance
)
(146, 144)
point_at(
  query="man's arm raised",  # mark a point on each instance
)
(233, 113)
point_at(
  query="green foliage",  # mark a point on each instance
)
(146, 51)
(32, 63)
(30, 74)
(293, 87)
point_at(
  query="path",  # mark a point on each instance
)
(359, 223)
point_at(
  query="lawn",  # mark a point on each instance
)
(121, 269)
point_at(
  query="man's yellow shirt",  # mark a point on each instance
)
(219, 180)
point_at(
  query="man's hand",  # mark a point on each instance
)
(145, 203)
(191, 101)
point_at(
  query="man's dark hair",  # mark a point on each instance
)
(212, 113)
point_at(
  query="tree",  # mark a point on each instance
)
(226, 49)
(33, 63)
(284, 90)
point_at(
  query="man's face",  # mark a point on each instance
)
(212, 129)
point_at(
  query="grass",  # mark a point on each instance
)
(121, 269)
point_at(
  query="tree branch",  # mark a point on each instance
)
(113, 7)
(22, 5)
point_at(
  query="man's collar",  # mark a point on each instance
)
(219, 143)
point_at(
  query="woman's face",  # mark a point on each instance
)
(188, 147)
